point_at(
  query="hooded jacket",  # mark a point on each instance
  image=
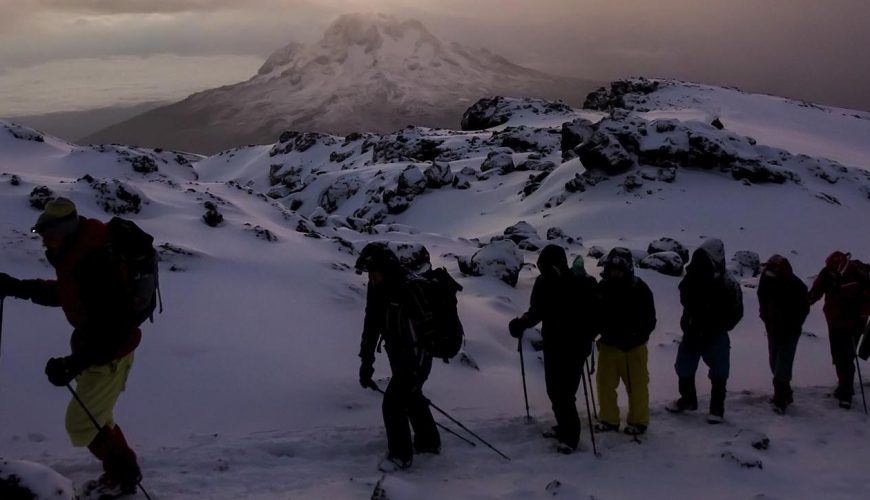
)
(782, 299)
(712, 299)
(564, 302)
(845, 284)
(628, 314)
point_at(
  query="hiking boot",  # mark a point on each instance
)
(715, 419)
(565, 449)
(393, 464)
(106, 488)
(606, 427)
(846, 403)
(682, 405)
(553, 433)
(432, 450)
(634, 429)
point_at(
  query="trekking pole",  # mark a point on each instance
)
(440, 425)
(97, 425)
(2, 300)
(860, 379)
(523, 371)
(589, 413)
(592, 387)
(466, 429)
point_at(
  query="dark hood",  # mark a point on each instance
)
(552, 261)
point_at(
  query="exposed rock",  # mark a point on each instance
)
(212, 216)
(15, 180)
(438, 175)
(667, 263)
(339, 191)
(621, 94)
(40, 196)
(22, 480)
(524, 139)
(521, 231)
(575, 133)
(500, 161)
(596, 252)
(556, 233)
(300, 142)
(144, 164)
(669, 245)
(632, 182)
(500, 259)
(114, 196)
(494, 111)
(261, 232)
(745, 263)
(319, 217)
(464, 178)
(23, 133)
(411, 182)
(717, 124)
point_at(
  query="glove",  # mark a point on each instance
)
(366, 370)
(61, 371)
(9, 286)
(516, 327)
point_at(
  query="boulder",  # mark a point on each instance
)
(521, 231)
(411, 182)
(500, 161)
(438, 175)
(500, 259)
(21, 479)
(667, 263)
(40, 196)
(669, 245)
(745, 263)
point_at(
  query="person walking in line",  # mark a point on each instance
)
(845, 285)
(565, 304)
(712, 306)
(783, 308)
(627, 319)
(94, 292)
(395, 314)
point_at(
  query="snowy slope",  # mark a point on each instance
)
(369, 72)
(246, 385)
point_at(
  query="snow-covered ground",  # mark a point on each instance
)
(246, 386)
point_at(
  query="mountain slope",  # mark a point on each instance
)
(246, 386)
(369, 73)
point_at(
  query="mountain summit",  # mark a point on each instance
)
(368, 73)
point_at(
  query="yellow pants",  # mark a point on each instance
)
(630, 367)
(99, 388)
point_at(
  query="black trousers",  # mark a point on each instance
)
(843, 355)
(405, 408)
(562, 371)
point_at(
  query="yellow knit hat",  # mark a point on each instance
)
(59, 216)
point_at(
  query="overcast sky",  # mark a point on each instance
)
(813, 49)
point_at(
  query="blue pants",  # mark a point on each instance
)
(716, 354)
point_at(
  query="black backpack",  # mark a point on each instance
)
(446, 335)
(134, 249)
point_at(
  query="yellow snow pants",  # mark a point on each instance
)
(99, 388)
(615, 365)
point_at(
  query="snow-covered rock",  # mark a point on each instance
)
(499, 161)
(413, 256)
(439, 175)
(669, 245)
(501, 259)
(745, 263)
(24, 480)
(667, 263)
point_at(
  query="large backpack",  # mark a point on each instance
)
(446, 335)
(134, 249)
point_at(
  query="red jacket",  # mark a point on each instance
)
(846, 295)
(92, 289)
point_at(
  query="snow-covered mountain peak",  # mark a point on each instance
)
(367, 73)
